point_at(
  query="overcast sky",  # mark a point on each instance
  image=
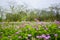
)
(31, 3)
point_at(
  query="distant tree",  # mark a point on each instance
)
(1, 13)
(56, 8)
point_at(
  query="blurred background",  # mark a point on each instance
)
(29, 10)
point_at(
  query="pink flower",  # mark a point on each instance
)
(43, 35)
(55, 35)
(37, 29)
(57, 22)
(17, 32)
(46, 28)
(38, 36)
(47, 37)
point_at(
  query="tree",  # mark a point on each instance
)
(1, 13)
(56, 9)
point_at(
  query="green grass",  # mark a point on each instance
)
(24, 31)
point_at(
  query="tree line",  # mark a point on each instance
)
(21, 13)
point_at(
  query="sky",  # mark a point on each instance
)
(39, 4)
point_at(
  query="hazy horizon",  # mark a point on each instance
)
(39, 4)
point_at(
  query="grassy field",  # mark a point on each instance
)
(29, 31)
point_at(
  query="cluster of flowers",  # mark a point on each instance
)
(45, 37)
(29, 30)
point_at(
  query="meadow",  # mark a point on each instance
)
(29, 31)
(17, 22)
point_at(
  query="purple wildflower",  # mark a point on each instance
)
(46, 28)
(37, 29)
(55, 35)
(38, 36)
(47, 37)
(17, 32)
(43, 35)
(57, 22)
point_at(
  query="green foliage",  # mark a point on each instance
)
(31, 16)
(16, 17)
(0, 19)
(10, 32)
